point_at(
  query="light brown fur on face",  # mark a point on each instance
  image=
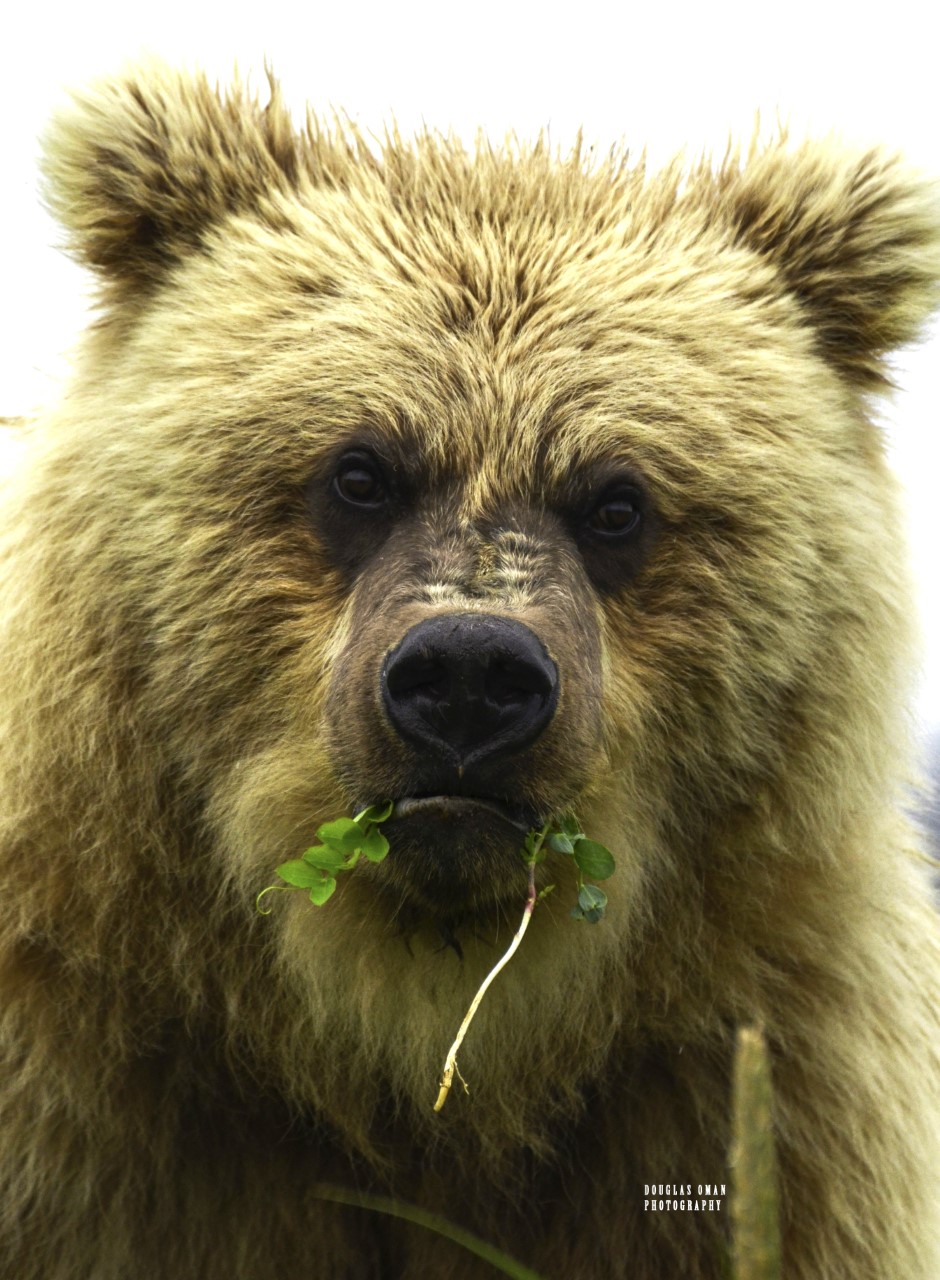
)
(194, 628)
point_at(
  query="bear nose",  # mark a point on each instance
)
(471, 687)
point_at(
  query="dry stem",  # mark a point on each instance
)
(450, 1062)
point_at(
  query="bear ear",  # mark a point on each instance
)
(138, 168)
(855, 237)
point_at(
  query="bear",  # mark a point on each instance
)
(494, 485)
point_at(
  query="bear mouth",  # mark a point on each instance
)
(468, 808)
(453, 855)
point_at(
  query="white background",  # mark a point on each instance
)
(684, 75)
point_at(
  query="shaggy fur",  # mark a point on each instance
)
(190, 649)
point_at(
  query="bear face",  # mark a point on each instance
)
(494, 485)
(499, 399)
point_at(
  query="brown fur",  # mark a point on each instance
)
(189, 662)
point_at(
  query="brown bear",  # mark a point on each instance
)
(497, 485)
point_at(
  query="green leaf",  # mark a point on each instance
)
(593, 859)
(376, 813)
(570, 825)
(558, 842)
(327, 859)
(299, 874)
(343, 834)
(375, 846)
(590, 897)
(591, 903)
(589, 913)
(322, 890)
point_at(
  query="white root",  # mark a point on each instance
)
(450, 1062)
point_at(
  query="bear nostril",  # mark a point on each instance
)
(470, 687)
(510, 682)
(418, 675)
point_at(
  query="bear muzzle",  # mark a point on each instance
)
(465, 694)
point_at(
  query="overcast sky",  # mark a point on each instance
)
(685, 75)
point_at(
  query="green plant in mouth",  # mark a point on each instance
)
(591, 859)
(345, 840)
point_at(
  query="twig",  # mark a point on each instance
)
(450, 1062)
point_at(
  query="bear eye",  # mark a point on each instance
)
(359, 481)
(617, 514)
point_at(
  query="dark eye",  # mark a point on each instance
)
(359, 481)
(617, 514)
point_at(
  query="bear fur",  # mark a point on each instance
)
(632, 413)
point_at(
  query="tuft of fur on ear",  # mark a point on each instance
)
(137, 168)
(855, 237)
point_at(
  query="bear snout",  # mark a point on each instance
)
(469, 688)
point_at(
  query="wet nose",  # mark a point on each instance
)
(469, 687)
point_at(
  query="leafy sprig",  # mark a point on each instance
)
(344, 841)
(592, 859)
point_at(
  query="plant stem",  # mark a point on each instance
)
(431, 1221)
(755, 1204)
(450, 1062)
